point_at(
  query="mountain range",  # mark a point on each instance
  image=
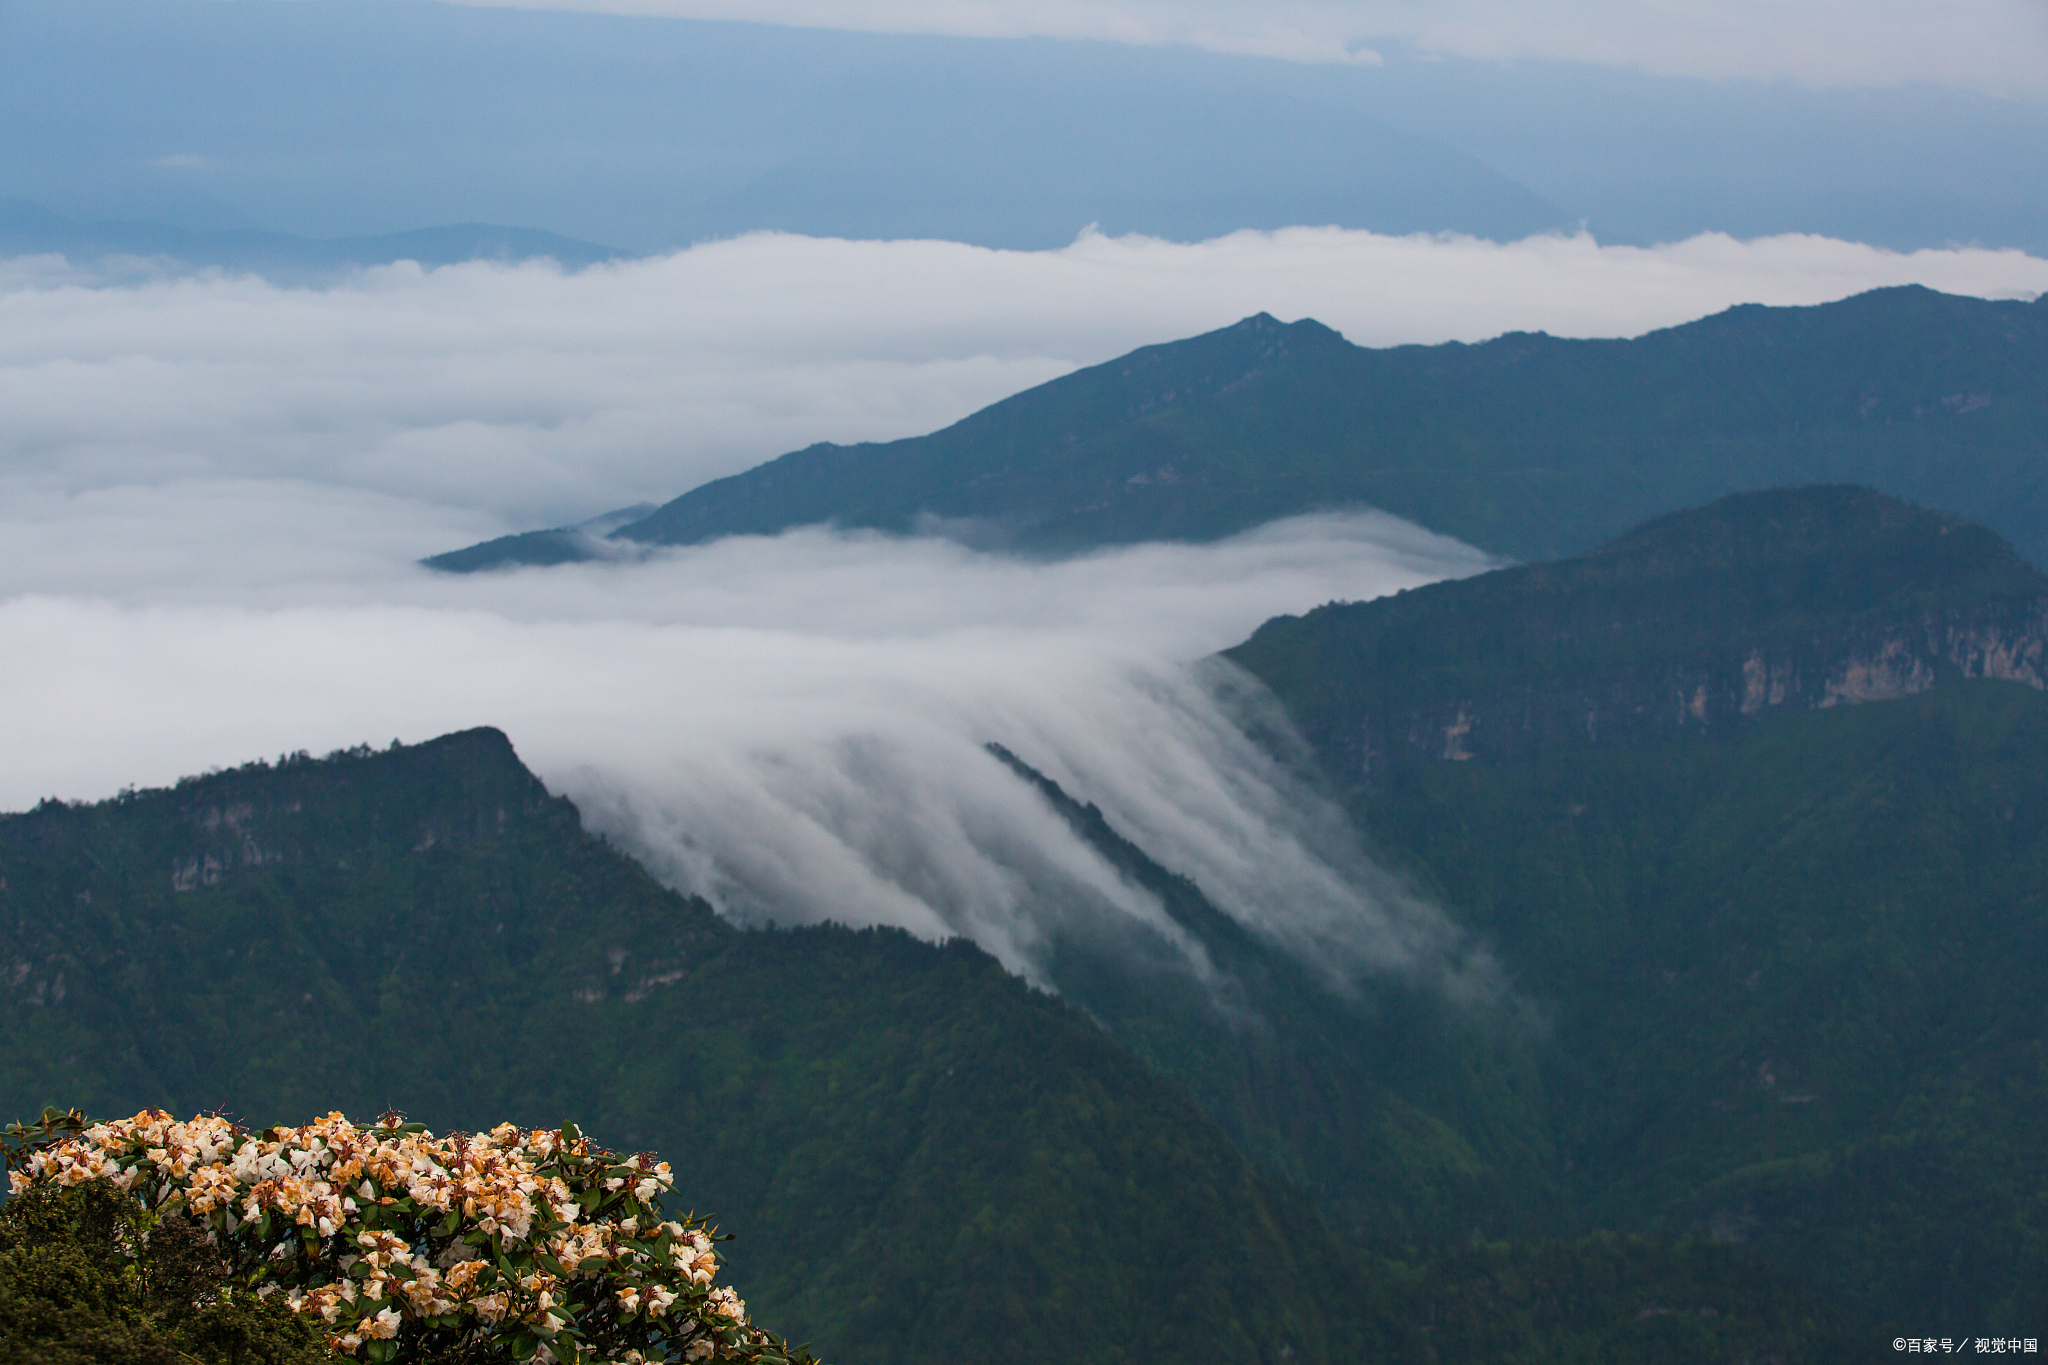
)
(1528, 446)
(1761, 1083)
(926, 1159)
(28, 229)
(333, 117)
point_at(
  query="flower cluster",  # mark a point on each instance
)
(514, 1243)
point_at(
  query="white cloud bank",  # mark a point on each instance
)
(212, 489)
(1997, 46)
(793, 727)
(409, 412)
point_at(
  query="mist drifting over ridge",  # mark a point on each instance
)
(794, 727)
(216, 488)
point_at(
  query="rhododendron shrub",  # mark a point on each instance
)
(512, 1244)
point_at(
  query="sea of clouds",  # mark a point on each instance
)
(213, 491)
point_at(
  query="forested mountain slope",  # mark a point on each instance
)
(1528, 445)
(929, 1160)
(1706, 619)
(1405, 1116)
(926, 1159)
(1781, 900)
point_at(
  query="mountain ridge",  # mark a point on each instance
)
(1527, 445)
(28, 229)
(1787, 952)
(425, 928)
(1809, 598)
(924, 1158)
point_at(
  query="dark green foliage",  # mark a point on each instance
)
(1790, 961)
(1403, 1116)
(1527, 445)
(925, 1159)
(943, 1165)
(1794, 981)
(89, 1277)
(1604, 1298)
(1743, 573)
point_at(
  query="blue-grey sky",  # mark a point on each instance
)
(340, 117)
(1989, 45)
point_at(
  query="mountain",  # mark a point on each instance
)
(650, 132)
(1753, 803)
(1702, 620)
(27, 229)
(1403, 1117)
(655, 132)
(1529, 446)
(924, 1158)
(928, 1160)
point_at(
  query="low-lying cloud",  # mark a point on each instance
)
(794, 726)
(212, 491)
(489, 398)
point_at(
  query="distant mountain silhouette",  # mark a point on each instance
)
(27, 229)
(1528, 445)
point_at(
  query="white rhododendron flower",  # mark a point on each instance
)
(401, 1242)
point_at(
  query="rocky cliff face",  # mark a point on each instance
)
(1791, 600)
(1871, 663)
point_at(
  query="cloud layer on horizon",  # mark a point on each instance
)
(162, 425)
(2000, 46)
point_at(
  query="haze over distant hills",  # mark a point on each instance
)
(1527, 446)
(361, 118)
(27, 230)
(348, 118)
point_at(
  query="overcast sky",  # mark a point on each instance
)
(1997, 46)
(332, 118)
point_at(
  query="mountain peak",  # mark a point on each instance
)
(1923, 550)
(1527, 446)
(1792, 598)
